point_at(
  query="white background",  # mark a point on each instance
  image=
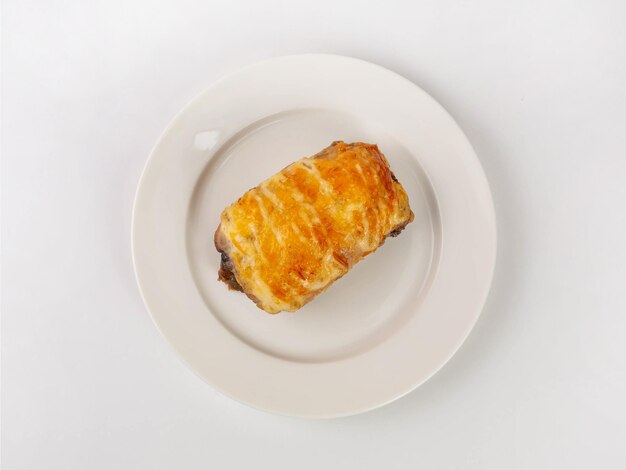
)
(540, 89)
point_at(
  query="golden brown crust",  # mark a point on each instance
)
(292, 236)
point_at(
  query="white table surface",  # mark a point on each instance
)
(539, 88)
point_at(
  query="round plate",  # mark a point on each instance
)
(378, 332)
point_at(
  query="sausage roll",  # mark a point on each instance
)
(288, 239)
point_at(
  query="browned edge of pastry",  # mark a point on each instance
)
(226, 272)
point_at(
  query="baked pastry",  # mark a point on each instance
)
(292, 236)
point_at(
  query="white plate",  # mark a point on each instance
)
(384, 328)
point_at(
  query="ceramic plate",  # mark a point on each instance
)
(378, 332)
